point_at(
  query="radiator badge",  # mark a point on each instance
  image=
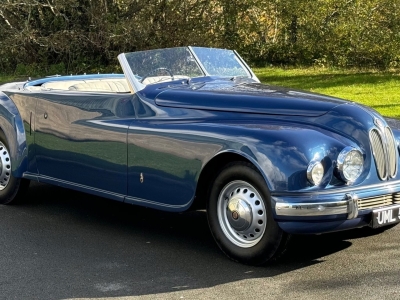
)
(378, 123)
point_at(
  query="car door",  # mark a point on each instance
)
(164, 159)
(80, 140)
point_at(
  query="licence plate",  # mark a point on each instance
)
(385, 216)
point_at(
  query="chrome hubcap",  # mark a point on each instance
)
(241, 214)
(5, 166)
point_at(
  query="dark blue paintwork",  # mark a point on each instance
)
(150, 148)
(246, 98)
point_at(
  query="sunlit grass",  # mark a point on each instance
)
(5, 79)
(380, 90)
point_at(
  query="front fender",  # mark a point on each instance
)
(12, 125)
(246, 154)
(282, 152)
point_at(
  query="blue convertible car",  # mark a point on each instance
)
(192, 128)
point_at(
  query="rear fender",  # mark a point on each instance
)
(13, 127)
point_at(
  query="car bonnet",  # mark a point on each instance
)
(246, 98)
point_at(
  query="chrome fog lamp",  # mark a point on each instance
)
(350, 164)
(315, 172)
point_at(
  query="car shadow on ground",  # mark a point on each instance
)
(65, 244)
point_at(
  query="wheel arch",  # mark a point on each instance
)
(11, 124)
(211, 170)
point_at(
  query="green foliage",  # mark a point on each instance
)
(57, 69)
(86, 35)
(24, 70)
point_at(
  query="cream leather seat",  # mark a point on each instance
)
(34, 88)
(60, 85)
(112, 85)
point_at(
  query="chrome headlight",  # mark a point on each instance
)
(315, 172)
(350, 164)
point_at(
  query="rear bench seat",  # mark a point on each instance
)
(60, 85)
(111, 85)
(116, 85)
(95, 85)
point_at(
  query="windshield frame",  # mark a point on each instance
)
(136, 85)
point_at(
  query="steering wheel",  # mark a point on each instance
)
(155, 71)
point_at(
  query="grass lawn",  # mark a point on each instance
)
(10, 78)
(380, 90)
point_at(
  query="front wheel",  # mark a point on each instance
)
(240, 216)
(12, 189)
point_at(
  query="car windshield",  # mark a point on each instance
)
(160, 65)
(220, 62)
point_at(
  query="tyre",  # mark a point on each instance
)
(240, 216)
(11, 188)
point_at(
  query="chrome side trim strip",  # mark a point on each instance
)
(107, 194)
(30, 176)
(144, 202)
(81, 187)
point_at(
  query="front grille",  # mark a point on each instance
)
(392, 153)
(379, 153)
(385, 152)
(378, 201)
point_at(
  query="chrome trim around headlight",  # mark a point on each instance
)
(340, 163)
(310, 168)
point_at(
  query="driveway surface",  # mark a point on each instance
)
(61, 244)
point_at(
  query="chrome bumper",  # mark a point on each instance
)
(347, 206)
